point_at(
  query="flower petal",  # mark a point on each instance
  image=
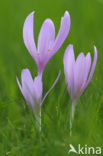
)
(26, 79)
(19, 84)
(88, 64)
(37, 87)
(93, 66)
(51, 87)
(69, 60)
(27, 87)
(79, 73)
(28, 35)
(63, 32)
(87, 69)
(24, 93)
(46, 38)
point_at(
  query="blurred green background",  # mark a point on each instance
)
(18, 135)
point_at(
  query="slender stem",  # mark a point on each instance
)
(38, 121)
(72, 115)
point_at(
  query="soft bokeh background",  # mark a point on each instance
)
(18, 136)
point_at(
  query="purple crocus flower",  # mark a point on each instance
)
(77, 73)
(32, 91)
(47, 44)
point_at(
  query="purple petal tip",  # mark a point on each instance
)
(59, 73)
(70, 46)
(95, 52)
(32, 13)
(95, 49)
(66, 13)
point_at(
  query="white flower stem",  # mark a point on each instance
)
(38, 121)
(72, 115)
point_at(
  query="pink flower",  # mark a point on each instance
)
(32, 90)
(78, 73)
(47, 44)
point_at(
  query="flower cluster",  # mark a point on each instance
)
(47, 46)
(78, 73)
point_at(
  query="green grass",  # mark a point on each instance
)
(18, 135)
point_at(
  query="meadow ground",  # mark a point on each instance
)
(18, 135)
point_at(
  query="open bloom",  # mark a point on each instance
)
(78, 73)
(47, 44)
(32, 90)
